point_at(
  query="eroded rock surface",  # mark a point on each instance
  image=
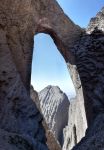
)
(90, 62)
(54, 106)
(19, 22)
(96, 22)
(18, 114)
(52, 142)
(77, 124)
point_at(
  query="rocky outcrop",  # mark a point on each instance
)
(90, 65)
(54, 105)
(77, 124)
(52, 142)
(19, 22)
(23, 19)
(96, 22)
(20, 120)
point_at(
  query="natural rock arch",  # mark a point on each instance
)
(39, 14)
(19, 22)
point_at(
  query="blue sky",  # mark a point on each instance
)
(80, 11)
(48, 67)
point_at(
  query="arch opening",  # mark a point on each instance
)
(49, 66)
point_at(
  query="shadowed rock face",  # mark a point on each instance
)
(90, 62)
(19, 22)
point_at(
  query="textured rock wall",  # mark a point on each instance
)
(90, 62)
(54, 105)
(19, 22)
(19, 116)
(52, 142)
(23, 19)
(77, 124)
(97, 21)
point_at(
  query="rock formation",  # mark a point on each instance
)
(84, 53)
(77, 124)
(90, 65)
(20, 121)
(96, 22)
(54, 105)
(52, 142)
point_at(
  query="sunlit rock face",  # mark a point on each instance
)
(51, 142)
(97, 21)
(54, 105)
(77, 124)
(60, 117)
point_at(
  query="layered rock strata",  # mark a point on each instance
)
(49, 104)
(54, 105)
(52, 142)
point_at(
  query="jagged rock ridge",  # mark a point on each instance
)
(77, 124)
(54, 105)
(96, 22)
(52, 142)
(49, 104)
